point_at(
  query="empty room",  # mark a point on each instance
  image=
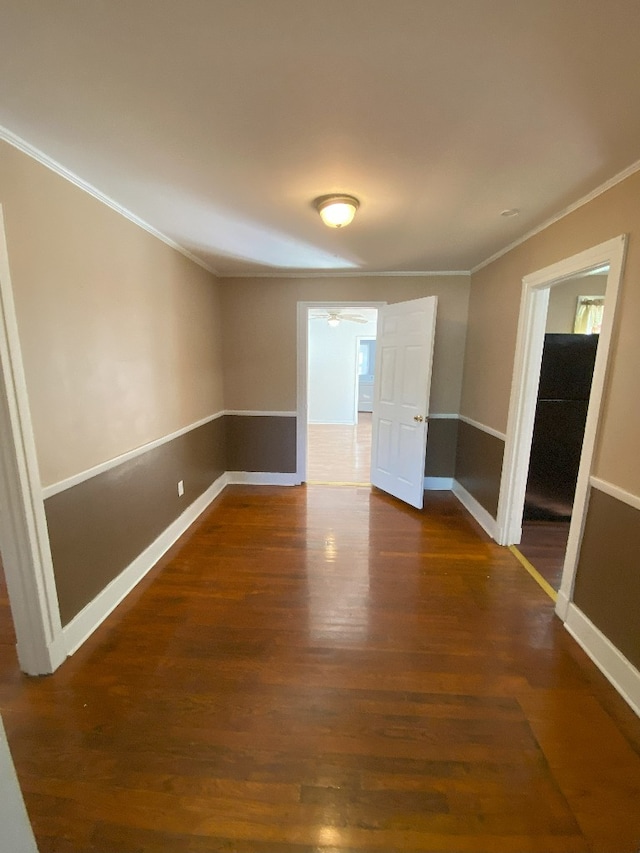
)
(319, 530)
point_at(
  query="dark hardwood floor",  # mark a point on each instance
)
(544, 544)
(325, 669)
(8, 657)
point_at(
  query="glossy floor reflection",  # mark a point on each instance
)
(325, 670)
(544, 544)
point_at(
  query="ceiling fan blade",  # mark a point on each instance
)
(339, 317)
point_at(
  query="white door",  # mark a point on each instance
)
(401, 398)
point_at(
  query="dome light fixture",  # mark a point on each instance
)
(336, 211)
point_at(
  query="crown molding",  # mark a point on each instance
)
(617, 179)
(31, 151)
(35, 153)
(347, 274)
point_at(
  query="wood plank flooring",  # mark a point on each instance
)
(339, 453)
(324, 670)
(544, 544)
(7, 634)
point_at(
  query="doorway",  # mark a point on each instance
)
(341, 359)
(346, 420)
(404, 361)
(573, 323)
(536, 290)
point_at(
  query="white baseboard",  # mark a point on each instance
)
(609, 660)
(332, 423)
(91, 616)
(438, 484)
(484, 519)
(262, 478)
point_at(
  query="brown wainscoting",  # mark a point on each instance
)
(479, 465)
(100, 526)
(261, 443)
(442, 438)
(607, 588)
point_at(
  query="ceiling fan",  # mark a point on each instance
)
(334, 318)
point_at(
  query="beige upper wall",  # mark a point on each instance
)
(120, 333)
(493, 316)
(563, 301)
(260, 332)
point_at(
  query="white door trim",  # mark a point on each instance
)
(303, 375)
(23, 529)
(359, 339)
(528, 357)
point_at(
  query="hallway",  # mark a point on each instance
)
(325, 669)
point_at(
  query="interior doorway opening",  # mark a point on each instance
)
(339, 385)
(405, 333)
(536, 289)
(340, 375)
(574, 319)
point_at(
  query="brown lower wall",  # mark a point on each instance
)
(264, 443)
(268, 443)
(100, 526)
(607, 588)
(442, 438)
(479, 465)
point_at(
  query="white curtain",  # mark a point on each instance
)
(589, 315)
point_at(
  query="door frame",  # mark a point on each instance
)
(360, 338)
(24, 537)
(524, 388)
(303, 373)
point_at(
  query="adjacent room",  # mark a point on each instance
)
(341, 368)
(319, 482)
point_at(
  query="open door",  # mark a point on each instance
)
(404, 357)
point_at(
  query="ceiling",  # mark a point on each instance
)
(218, 122)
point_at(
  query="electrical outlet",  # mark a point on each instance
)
(180, 488)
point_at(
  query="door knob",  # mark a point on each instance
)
(418, 418)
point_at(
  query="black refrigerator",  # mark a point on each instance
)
(561, 413)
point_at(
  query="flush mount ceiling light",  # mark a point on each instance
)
(336, 211)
